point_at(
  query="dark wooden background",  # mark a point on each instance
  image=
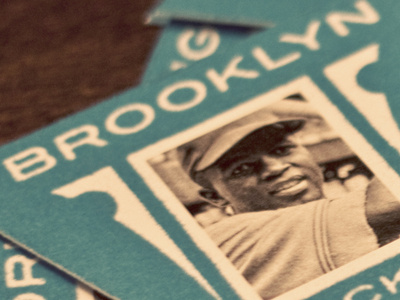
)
(58, 57)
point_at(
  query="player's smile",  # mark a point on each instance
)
(291, 187)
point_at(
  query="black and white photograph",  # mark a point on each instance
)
(281, 194)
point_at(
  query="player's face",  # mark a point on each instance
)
(252, 178)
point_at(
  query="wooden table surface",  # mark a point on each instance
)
(58, 57)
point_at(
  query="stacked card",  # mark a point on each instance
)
(258, 159)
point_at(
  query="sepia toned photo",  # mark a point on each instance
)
(281, 194)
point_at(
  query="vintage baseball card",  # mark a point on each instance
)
(259, 170)
(276, 188)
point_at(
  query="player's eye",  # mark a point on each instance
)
(243, 169)
(282, 150)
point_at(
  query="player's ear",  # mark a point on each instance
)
(213, 197)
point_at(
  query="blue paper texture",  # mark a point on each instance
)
(256, 13)
(24, 277)
(79, 204)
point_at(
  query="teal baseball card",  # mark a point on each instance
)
(253, 173)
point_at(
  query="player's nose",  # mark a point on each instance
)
(273, 167)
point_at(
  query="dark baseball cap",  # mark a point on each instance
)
(200, 154)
